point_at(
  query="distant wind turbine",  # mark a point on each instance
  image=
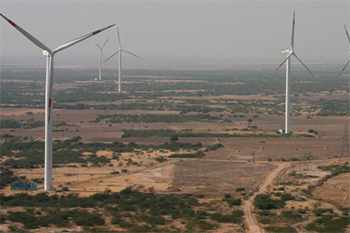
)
(290, 53)
(100, 48)
(120, 50)
(346, 31)
(48, 95)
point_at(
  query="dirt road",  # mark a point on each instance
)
(253, 225)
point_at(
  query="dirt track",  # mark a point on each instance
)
(253, 225)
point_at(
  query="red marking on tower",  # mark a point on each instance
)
(95, 32)
(12, 23)
(49, 103)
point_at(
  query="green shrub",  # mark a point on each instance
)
(240, 190)
(234, 202)
(265, 220)
(319, 212)
(235, 217)
(160, 159)
(84, 218)
(328, 223)
(7, 177)
(290, 214)
(266, 213)
(263, 201)
(281, 229)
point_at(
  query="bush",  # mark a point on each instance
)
(160, 159)
(265, 213)
(84, 218)
(7, 177)
(263, 201)
(235, 217)
(174, 138)
(290, 214)
(240, 190)
(319, 212)
(234, 202)
(281, 229)
(328, 223)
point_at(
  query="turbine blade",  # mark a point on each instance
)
(120, 44)
(344, 67)
(26, 34)
(130, 53)
(112, 56)
(292, 39)
(98, 46)
(347, 34)
(79, 39)
(302, 63)
(105, 43)
(284, 61)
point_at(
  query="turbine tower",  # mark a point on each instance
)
(100, 59)
(289, 53)
(346, 31)
(120, 50)
(48, 93)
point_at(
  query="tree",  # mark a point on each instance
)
(174, 138)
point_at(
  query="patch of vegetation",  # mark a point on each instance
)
(290, 215)
(198, 154)
(265, 202)
(14, 124)
(6, 177)
(187, 133)
(235, 217)
(319, 212)
(129, 208)
(156, 95)
(160, 159)
(28, 154)
(281, 229)
(151, 118)
(336, 169)
(329, 223)
(232, 201)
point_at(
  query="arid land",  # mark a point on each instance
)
(242, 162)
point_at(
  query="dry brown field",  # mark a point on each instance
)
(218, 173)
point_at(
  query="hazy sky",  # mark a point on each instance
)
(206, 31)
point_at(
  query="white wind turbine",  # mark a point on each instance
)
(349, 52)
(288, 58)
(120, 50)
(100, 48)
(48, 95)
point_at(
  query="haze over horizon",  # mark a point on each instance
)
(198, 32)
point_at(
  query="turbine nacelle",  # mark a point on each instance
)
(285, 51)
(46, 53)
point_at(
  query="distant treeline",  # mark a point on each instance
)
(151, 118)
(171, 133)
(29, 154)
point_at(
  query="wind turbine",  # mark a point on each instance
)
(290, 53)
(100, 58)
(120, 50)
(346, 31)
(48, 94)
